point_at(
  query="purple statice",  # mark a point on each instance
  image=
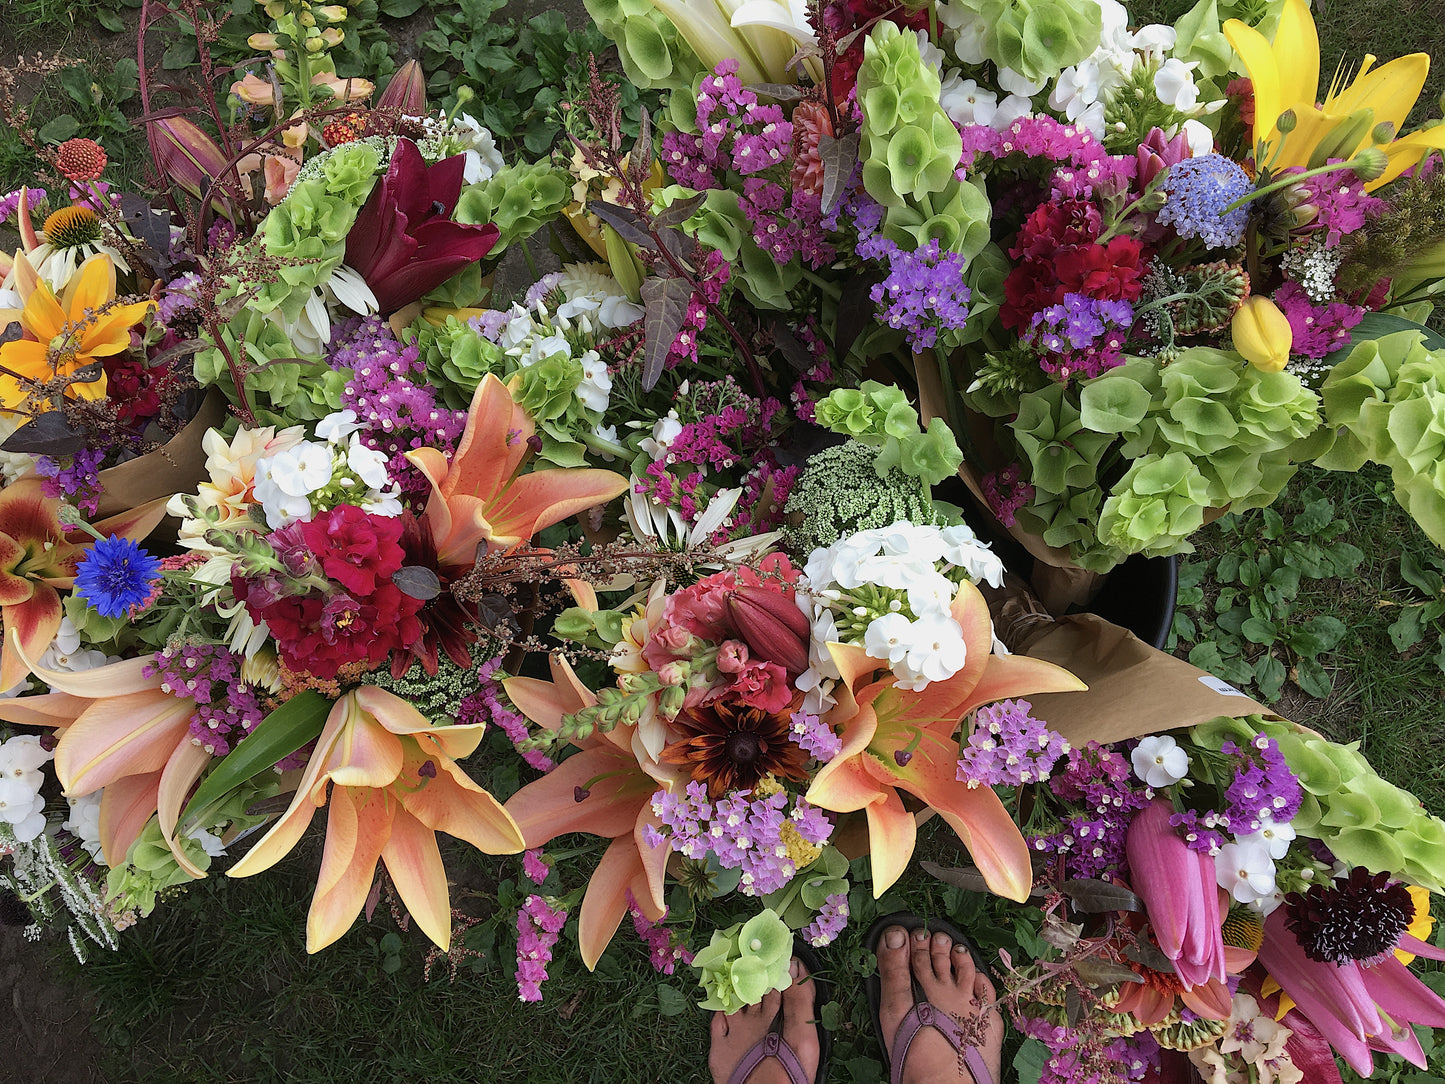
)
(832, 917)
(1100, 781)
(742, 833)
(664, 950)
(488, 704)
(535, 866)
(1263, 788)
(923, 293)
(8, 205)
(538, 291)
(1318, 329)
(1006, 492)
(814, 736)
(1197, 195)
(177, 297)
(74, 478)
(1203, 832)
(1009, 747)
(489, 324)
(1081, 337)
(538, 924)
(389, 392)
(227, 707)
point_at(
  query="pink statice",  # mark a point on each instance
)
(664, 950)
(538, 924)
(1009, 747)
(832, 917)
(1318, 328)
(1342, 203)
(489, 705)
(535, 866)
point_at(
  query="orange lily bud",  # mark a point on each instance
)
(1262, 334)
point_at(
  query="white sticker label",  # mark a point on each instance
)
(1219, 685)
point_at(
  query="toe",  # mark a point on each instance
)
(768, 1007)
(940, 950)
(719, 1026)
(920, 947)
(893, 957)
(800, 1010)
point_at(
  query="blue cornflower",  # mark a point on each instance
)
(115, 575)
(1197, 190)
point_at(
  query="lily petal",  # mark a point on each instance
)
(892, 833)
(126, 807)
(415, 865)
(357, 828)
(120, 736)
(548, 807)
(606, 899)
(177, 778)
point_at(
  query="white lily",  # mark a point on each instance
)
(763, 35)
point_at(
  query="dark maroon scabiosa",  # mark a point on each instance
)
(1359, 918)
(729, 745)
(404, 242)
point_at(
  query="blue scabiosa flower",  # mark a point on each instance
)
(1196, 192)
(116, 574)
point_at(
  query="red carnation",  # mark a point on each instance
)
(356, 549)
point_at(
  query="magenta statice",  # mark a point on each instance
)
(538, 926)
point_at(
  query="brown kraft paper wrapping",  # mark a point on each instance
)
(175, 467)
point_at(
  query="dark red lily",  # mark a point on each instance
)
(404, 242)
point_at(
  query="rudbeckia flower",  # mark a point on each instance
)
(64, 334)
(1286, 74)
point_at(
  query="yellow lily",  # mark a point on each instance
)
(895, 740)
(1286, 74)
(394, 783)
(65, 334)
(479, 496)
(603, 790)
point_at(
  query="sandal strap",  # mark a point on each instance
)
(922, 1015)
(772, 1045)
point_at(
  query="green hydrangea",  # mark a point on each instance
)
(744, 962)
(840, 492)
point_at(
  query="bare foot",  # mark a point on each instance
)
(950, 981)
(733, 1036)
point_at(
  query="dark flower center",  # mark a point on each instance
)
(743, 747)
(1360, 918)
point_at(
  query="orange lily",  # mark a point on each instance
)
(897, 740)
(480, 498)
(122, 735)
(396, 784)
(65, 334)
(615, 792)
(37, 556)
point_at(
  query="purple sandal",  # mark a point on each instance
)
(773, 1045)
(924, 1014)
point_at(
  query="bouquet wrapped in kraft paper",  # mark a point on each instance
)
(1134, 689)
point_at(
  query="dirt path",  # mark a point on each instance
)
(45, 1035)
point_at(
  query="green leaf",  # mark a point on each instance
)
(110, 20)
(670, 1000)
(1228, 568)
(1191, 573)
(1405, 631)
(1311, 677)
(1258, 631)
(1206, 657)
(274, 738)
(59, 130)
(1029, 1062)
(1285, 580)
(1345, 557)
(1376, 325)
(181, 53)
(1418, 576)
(1273, 524)
(1249, 573)
(1184, 627)
(1269, 674)
(1320, 633)
(1315, 517)
(399, 9)
(1233, 621)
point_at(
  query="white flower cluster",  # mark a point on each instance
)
(313, 475)
(21, 804)
(84, 824)
(1082, 91)
(920, 566)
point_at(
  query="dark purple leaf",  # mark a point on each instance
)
(779, 92)
(630, 225)
(179, 350)
(798, 355)
(1073, 1006)
(639, 164)
(966, 877)
(495, 612)
(666, 301)
(48, 434)
(855, 312)
(839, 157)
(1093, 896)
(417, 581)
(678, 212)
(1151, 956)
(1100, 973)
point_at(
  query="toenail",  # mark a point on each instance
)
(960, 949)
(941, 940)
(894, 937)
(920, 935)
(795, 969)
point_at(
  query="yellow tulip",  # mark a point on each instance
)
(1262, 334)
(1294, 132)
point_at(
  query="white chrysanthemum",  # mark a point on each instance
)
(589, 281)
